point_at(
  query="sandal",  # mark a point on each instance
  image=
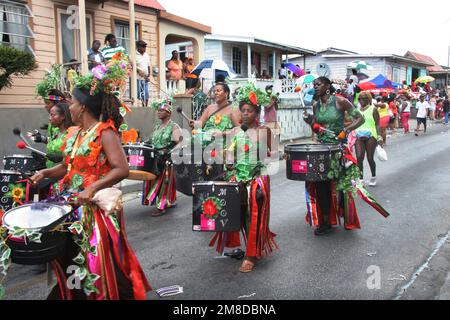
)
(158, 213)
(247, 266)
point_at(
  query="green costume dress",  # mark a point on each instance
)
(251, 173)
(161, 191)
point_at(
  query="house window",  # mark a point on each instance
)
(237, 59)
(14, 27)
(270, 65)
(69, 47)
(396, 74)
(122, 33)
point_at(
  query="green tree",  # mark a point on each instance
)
(14, 62)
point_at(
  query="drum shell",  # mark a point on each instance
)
(22, 162)
(188, 173)
(8, 177)
(142, 157)
(309, 162)
(229, 218)
(52, 246)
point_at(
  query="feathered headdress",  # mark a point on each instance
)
(251, 95)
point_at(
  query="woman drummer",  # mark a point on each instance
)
(328, 112)
(250, 147)
(95, 160)
(162, 192)
(218, 117)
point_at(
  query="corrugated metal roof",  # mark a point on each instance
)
(421, 57)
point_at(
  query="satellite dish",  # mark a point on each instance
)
(323, 70)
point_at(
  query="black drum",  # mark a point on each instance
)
(142, 161)
(22, 162)
(9, 184)
(216, 206)
(42, 218)
(193, 171)
(310, 162)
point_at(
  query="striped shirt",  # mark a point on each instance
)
(109, 52)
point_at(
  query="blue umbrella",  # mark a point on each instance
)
(210, 69)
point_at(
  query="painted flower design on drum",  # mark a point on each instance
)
(211, 207)
(16, 192)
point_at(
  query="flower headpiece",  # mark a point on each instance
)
(52, 80)
(109, 78)
(163, 104)
(249, 94)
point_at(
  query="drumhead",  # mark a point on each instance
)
(310, 147)
(10, 172)
(139, 146)
(34, 216)
(215, 183)
(19, 156)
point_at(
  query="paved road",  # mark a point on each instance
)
(413, 185)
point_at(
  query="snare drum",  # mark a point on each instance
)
(142, 161)
(310, 162)
(9, 184)
(188, 173)
(22, 162)
(216, 206)
(42, 218)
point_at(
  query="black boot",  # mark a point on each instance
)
(323, 229)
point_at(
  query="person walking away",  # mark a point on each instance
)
(422, 110)
(405, 113)
(446, 109)
(368, 135)
(384, 117)
(144, 71)
(432, 109)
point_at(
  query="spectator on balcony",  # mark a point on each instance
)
(111, 47)
(174, 67)
(282, 72)
(144, 71)
(191, 79)
(95, 56)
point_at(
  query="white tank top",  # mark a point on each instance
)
(408, 107)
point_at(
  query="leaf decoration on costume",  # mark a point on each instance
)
(211, 207)
(123, 127)
(77, 181)
(79, 259)
(76, 228)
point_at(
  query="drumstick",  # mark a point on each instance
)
(180, 110)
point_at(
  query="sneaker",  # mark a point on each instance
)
(373, 182)
(323, 229)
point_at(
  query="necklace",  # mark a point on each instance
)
(84, 132)
(324, 104)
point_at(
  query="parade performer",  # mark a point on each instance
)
(368, 135)
(162, 192)
(328, 201)
(250, 172)
(218, 117)
(95, 160)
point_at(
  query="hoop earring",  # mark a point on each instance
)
(328, 91)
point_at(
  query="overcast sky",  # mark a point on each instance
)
(377, 26)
